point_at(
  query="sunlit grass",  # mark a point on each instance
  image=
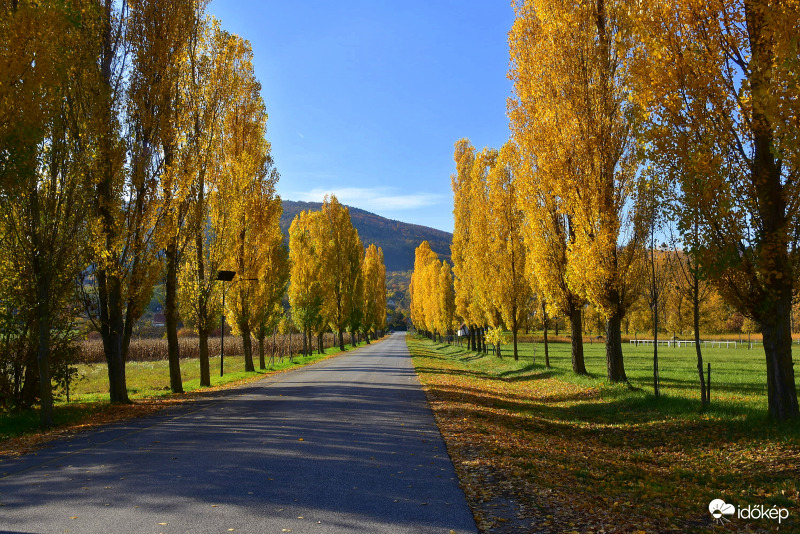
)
(738, 376)
(592, 455)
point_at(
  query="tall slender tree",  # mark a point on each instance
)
(208, 85)
(159, 33)
(572, 118)
(273, 277)
(340, 252)
(421, 287)
(374, 290)
(125, 204)
(507, 254)
(305, 293)
(720, 80)
(460, 252)
(43, 213)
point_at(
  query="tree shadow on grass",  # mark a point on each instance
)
(527, 373)
(455, 372)
(618, 407)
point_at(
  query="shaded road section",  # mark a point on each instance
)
(345, 445)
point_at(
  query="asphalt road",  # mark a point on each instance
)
(346, 445)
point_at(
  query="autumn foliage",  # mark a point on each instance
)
(133, 152)
(335, 284)
(629, 120)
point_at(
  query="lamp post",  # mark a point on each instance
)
(225, 276)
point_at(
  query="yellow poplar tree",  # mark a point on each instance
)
(125, 201)
(444, 321)
(374, 291)
(45, 161)
(305, 292)
(571, 117)
(420, 288)
(461, 181)
(720, 81)
(480, 260)
(511, 291)
(340, 251)
(159, 33)
(548, 232)
(273, 277)
(248, 167)
(208, 90)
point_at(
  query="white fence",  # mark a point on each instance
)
(685, 343)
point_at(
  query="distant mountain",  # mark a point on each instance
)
(397, 239)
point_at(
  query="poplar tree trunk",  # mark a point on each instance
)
(171, 315)
(614, 364)
(654, 302)
(514, 335)
(109, 284)
(111, 330)
(546, 347)
(696, 323)
(42, 279)
(341, 340)
(262, 362)
(205, 371)
(247, 345)
(655, 350)
(202, 296)
(775, 306)
(576, 324)
(781, 389)
(514, 328)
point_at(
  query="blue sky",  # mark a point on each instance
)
(367, 98)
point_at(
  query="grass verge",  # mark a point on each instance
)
(544, 450)
(148, 389)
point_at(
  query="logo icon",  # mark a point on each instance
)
(719, 510)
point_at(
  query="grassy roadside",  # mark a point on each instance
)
(148, 388)
(542, 450)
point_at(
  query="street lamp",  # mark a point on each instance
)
(225, 276)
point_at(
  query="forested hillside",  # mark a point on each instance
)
(397, 239)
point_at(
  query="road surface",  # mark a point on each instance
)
(346, 445)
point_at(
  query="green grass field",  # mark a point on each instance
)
(578, 453)
(151, 379)
(738, 376)
(146, 380)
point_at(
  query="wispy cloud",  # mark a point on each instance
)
(381, 198)
(301, 135)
